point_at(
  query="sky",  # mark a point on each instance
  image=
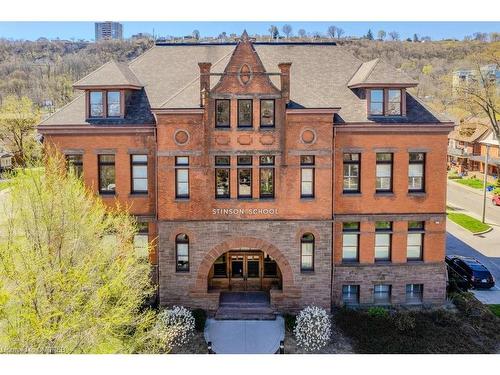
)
(85, 30)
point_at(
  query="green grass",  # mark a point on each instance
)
(465, 221)
(495, 309)
(4, 185)
(475, 183)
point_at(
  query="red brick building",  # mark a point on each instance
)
(292, 168)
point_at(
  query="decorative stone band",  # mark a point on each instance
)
(432, 216)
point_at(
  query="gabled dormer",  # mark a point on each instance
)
(107, 90)
(384, 88)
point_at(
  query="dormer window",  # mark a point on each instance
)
(114, 107)
(385, 102)
(104, 104)
(394, 102)
(377, 102)
(96, 104)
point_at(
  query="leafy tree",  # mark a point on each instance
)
(18, 120)
(369, 35)
(427, 69)
(302, 33)
(71, 280)
(394, 35)
(273, 32)
(332, 31)
(287, 30)
(480, 96)
(381, 35)
(196, 34)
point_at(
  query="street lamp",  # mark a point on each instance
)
(485, 178)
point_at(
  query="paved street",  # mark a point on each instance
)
(471, 200)
(486, 247)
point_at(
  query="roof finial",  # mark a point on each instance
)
(244, 36)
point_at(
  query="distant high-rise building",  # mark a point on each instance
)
(108, 30)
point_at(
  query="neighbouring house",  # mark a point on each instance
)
(489, 146)
(464, 147)
(6, 159)
(294, 169)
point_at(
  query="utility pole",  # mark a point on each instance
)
(485, 179)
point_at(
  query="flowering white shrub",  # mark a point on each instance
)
(173, 328)
(312, 328)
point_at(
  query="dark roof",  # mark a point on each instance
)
(320, 74)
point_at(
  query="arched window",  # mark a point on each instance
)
(182, 253)
(307, 252)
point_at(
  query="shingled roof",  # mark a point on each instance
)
(377, 72)
(112, 73)
(320, 75)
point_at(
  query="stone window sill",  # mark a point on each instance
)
(138, 195)
(384, 194)
(349, 194)
(417, 194)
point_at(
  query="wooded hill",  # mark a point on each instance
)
(45, 70)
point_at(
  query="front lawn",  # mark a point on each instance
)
(471, 329)
(471, 224)
(475, 183)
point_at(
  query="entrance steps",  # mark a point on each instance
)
(244, 306)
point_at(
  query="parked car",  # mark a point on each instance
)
(495, 200)
(472, 270)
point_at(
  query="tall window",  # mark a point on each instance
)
(245, 109)
(96, 104)
(416, 171)
(267, 113)
(222, 176)
(182, 176)
(75, 164)
(377, 102)
(307, 252)
(141, 241)
(114, 107)
(222, 113)
(350, 241)
(351, 173)
(381, 294)
(182, 253)
(106, 174)
(415, 240)
(350, 295)
(266, 176)
(414, 293)
(244, 176)
(384, 172)
(139, 173)
(307, 176)
(394, 102)
(383, 236)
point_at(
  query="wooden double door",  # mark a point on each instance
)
(245, 270)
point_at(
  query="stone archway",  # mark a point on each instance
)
(201, 281)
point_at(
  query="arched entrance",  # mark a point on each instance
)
(250, 254)
(244, 269)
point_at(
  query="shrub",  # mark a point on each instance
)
(200, 318)
(290, 322)
(313, 328)
(173, 328)
(496, 191)
(404, 321)
(378, 311)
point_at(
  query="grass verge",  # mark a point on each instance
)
(495, 309)
(475, 183)
(465, 221)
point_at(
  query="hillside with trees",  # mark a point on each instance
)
(44, 70)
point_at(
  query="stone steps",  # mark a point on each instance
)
(245, 313)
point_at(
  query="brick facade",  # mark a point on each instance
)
(273, 225)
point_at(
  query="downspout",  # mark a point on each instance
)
(333, 208)
(156, 212)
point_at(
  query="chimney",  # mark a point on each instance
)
(285, 80)
(204, 80)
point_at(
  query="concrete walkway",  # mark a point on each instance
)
(245, 336)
